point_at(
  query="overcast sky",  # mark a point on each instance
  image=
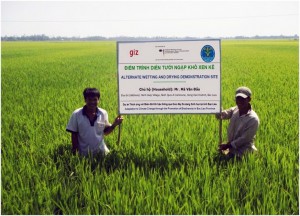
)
(150, 18)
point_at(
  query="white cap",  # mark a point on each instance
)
(243, 92)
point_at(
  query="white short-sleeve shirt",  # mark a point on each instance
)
(90, 133)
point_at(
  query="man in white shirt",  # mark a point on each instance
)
(243, 125)
(89, 124)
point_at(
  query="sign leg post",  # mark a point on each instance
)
(119, 135)
(220, 131)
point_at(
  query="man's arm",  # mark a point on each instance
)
(75, 143)
(72, 127)
(246, 137)
(248, 134)
(225, 114)
(110, 129)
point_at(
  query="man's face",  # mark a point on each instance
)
(92, 102)
(242, 103)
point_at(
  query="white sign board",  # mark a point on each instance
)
(169, 77)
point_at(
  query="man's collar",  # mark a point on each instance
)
(85, 108)
(249, 111)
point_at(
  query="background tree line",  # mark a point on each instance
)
(43, 37)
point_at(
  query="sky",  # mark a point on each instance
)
(150, 18)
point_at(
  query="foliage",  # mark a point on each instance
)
(165, 164)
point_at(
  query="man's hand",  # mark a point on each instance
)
(223, 146)
(118, 120)
(74, 151)
(219, 115)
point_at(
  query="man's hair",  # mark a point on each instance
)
(91, 92)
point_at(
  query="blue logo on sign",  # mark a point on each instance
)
(207, 53)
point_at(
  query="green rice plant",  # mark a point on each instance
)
(164, 164)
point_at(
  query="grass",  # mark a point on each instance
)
(165, 164)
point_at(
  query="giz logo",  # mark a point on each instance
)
(133, 52)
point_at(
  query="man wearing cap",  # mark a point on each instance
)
(243, 125)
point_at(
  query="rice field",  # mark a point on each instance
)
(164, 164)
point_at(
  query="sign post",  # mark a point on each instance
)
(169, 77)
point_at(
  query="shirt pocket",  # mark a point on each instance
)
(100, 126)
